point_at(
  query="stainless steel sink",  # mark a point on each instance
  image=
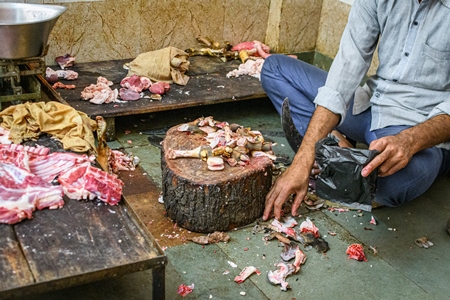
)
(25, 28)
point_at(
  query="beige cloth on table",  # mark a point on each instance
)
(168, 64)
(73, 128)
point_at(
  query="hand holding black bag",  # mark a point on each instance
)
(340, 178)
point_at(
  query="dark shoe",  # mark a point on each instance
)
(376, 205)
(293, 137)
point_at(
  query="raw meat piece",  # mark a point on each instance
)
(159, 88)
(112, 161)
(218, 236)
(65, 61)
(121, 161)
(262, 49)
(290, 232)
(104, 96)
(21, 192)
(212, 238)
(87, 182)
(4, 136)
(20, 155)
(88, 92)
(250, 67)
(100, 92)
(292, 250)
(253, 48)
(136, 83)
(67, 74)
(132, 87)
(104, 80)
(146, 83)
(53, 164)
(356, 251)
(39, 162)
(288, 222)
(279, 236)
(215, 163)
(289, 251)
(279, 276)
(184, 290)
(300, 259)
(308, 226)
(132, 83)
(60, 85)
(129, 94)
(245, 273)
(50, 75)
(26, 174)
(230, 143)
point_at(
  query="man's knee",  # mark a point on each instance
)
(270, 64)
(412, 181)
(390, 201)
(395, 190)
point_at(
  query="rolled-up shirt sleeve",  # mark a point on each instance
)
(353, 59)
(440, 109)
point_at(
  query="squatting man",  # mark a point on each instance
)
(402, 111)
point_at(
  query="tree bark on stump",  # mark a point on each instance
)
(205, 201)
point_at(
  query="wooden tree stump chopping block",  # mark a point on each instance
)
(205, 201)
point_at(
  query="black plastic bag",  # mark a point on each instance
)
(340, 178)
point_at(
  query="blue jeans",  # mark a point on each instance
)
(282, 76)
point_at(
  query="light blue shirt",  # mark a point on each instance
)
(412, 82)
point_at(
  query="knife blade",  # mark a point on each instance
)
(293, 137)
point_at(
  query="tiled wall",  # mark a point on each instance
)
(118, 29)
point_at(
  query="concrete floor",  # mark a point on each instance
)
(400, 270)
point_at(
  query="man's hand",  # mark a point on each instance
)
(396, 151)
(295, 179)
(292, 181)
(395, 154)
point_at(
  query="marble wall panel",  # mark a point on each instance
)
(178, 23)
(245, 20)
(299, 25)
(160, 24)
(95, 31)
(333, 19)
(334, 16)
(116, 29)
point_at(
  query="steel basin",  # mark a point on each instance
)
(25, 28)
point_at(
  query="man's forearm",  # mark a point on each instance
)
(322, 122)
(427, 134)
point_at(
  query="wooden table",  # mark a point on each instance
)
(84, 241)
(208, 84)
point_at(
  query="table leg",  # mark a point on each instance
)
(110, 129)
(159, 282)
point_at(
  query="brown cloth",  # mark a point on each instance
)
(168, 64)
(73, 128)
